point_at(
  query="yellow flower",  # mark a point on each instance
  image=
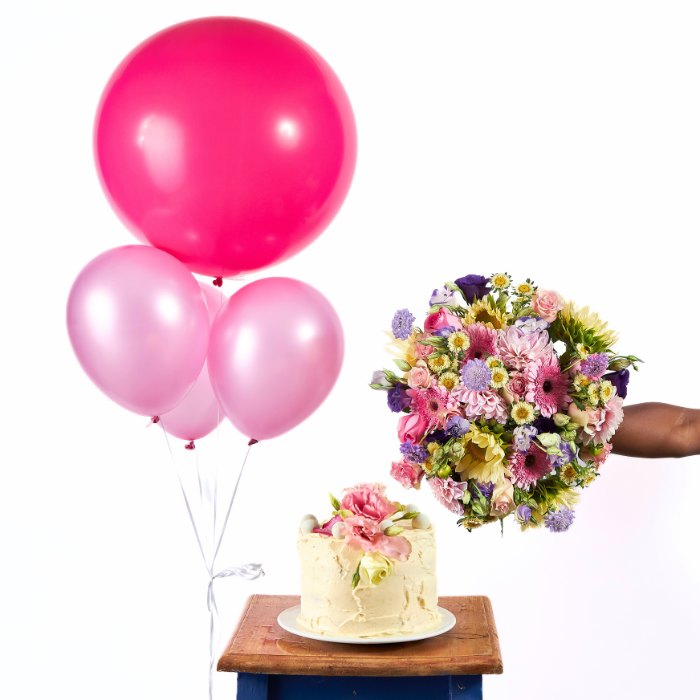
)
(568, 473)
(593, 393)
(440, 363)
(486, 312)
(522, 412)
(589, 319)
(607, 391)
(499, 377)
(483, 458)
(493, 361)
(374, 568)
(566, 498)
(501, 280)
(449, 380)
(581, 381)
(458, 341)
(525, 289)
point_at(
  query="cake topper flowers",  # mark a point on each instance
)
(509, 397)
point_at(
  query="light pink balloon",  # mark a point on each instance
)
(139, 326)
(275, 352)
(199, 412)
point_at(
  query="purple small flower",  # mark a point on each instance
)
(523, 513)
(473, 287)
(439, 436)
(545, 425)
(567, 456)
(619, 380)
(594, 366)
(531, 324)
(397, 399)
(402, 324)
(457, 426)
(559, 521)
(442, 296)
(445, 332)
(476, 376)
(486, 490)
(522, 435)
(414, 453)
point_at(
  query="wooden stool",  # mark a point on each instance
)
(273, 664)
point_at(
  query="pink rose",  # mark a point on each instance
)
(516, 387)
(419, 377)
(407, 474)
(442, 319)
(363, 533)
(412, 427)
(547, 304)
(502, 500)
(368, 501)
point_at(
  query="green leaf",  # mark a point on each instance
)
(436, 342)
(410, 515)
(467, 497)
(334, 502)
(356, 577)
(380, 387)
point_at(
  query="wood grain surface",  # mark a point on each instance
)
(260, 645)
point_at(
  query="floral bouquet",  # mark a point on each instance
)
(510, 398)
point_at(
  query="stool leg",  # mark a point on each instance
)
(252, 686)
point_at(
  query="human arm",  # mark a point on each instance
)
(658, 430)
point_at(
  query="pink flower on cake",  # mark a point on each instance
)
(442, 319)
(482, 342)
(449, 492)
(547, 386)
(412, 427)
(604, 422)
(407, 474)
(547, 304)
(518, 349)
(364, 533)
(368, 501)
(327, 527)
(488, 404)
(419, 377)
(528, 467)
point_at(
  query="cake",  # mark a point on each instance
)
(368, 571)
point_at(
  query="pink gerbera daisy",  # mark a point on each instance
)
(529, 467)
(518, 349)
(434, 404)
(547, 386)
(482, 342)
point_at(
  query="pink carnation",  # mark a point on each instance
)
(484, 404)
(363, 533)
(604, 422)
(518, 349)
(407, 474)
(449, 492)
(368, 501)
(442, 319)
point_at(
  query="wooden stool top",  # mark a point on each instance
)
(260, 645)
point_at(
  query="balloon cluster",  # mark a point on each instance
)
(228, 145)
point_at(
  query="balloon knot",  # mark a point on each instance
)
(252, 441)
(190, 445)
(218, 282)
(155, 419)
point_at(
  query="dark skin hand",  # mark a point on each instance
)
(658, 430)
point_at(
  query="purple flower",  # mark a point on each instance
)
(523, 513)
(445, 332)
(567, 456)
(595, 365)
(473, 287)
(414, 453)
(559, 521)
(545, 425)
(402, 324)
(439, 436)
(442, 296)
(476, 376)
(457, 426)
(522, 435)
(619, 380)
(531, 324)
(397, 398)
(486, 490)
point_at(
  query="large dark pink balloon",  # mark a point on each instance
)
(139, 326)
(199, 412)
(226, 142)
(275, 352)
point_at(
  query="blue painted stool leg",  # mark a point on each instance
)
(263, 687)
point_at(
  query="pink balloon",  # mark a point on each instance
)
(275, 352)
(199, 412)
(226, 142)
(139, 326)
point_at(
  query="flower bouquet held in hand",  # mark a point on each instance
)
(510, 397)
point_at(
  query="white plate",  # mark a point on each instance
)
(287, 620)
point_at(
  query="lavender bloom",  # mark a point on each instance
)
(523, 513)
(442, 296)
(522, 436)
(397, 399)
(445, 332)
(473, 287)
(476, 376)
(531, 324)
(414, 453)
(486, 490)
(379, 377)
(619, 380)
(567, 456)
(559, 521)
(457, 426)
(595, 365)
(402, 324)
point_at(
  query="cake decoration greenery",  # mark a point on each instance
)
(368, 521)
(509, 397)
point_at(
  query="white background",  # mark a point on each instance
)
(555, 140)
